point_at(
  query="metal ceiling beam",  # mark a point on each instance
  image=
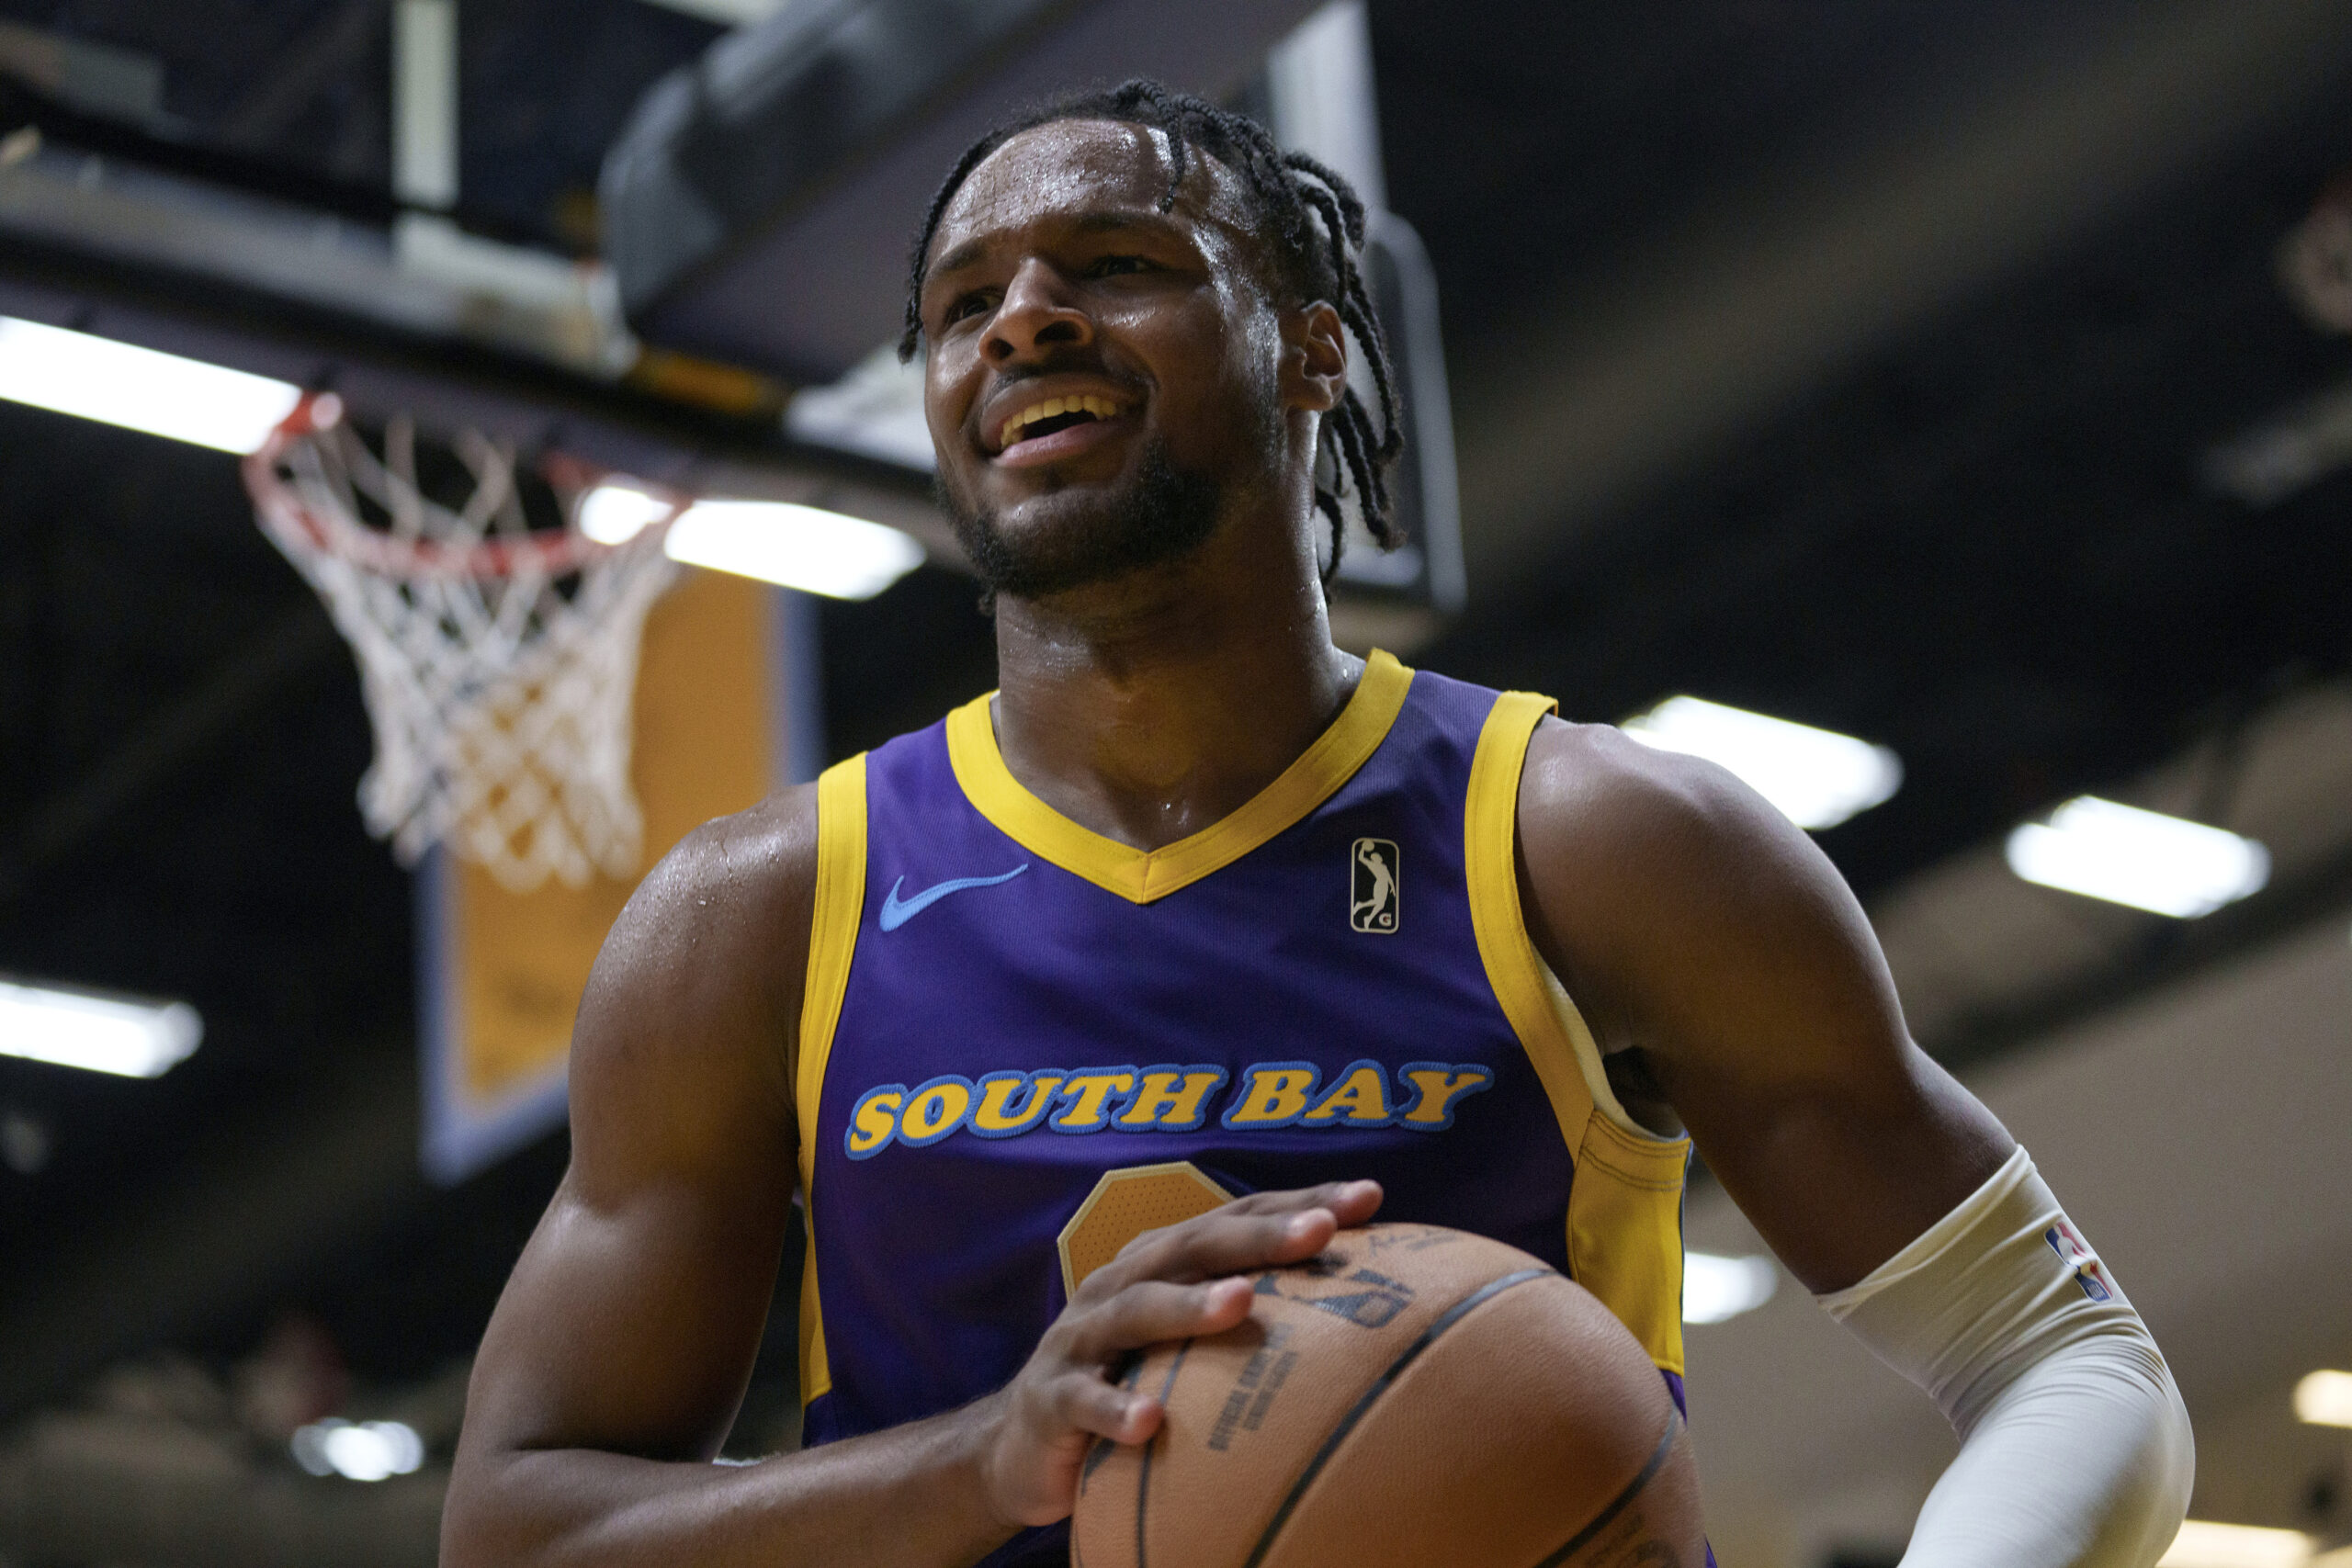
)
(501, 339)
(333, 46)
(1719, 328)
(378, 371)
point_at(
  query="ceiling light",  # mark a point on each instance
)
(361, 1451)
(1717, 1288)
(2324, 1399)
(2144, 858)
(2203, 1545)
(127, 1035)
(1816, 777)
(799, 546)
(162, 394)
(615, 514)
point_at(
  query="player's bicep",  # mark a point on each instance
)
(1713, 935)
(629, 1328)
(632, 1318)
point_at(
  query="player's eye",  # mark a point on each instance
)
(964, 305)
(1115, 266)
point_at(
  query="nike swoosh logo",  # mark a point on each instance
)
(897, 911)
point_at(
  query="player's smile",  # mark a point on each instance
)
(1047, 419)
(1074, 328)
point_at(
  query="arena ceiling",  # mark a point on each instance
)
(1975, 527)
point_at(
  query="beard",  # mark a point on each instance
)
(1164, 514)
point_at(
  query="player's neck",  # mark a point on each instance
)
(1149, 708)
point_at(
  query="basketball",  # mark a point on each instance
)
(1412, 1395)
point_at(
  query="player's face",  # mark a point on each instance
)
(1102, 376)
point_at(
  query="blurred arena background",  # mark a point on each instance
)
(1965, 383)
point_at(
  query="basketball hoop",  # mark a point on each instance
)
(497, 641)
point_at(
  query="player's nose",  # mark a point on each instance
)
(1035, 315)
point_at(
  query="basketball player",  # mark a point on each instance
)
(1194, 885)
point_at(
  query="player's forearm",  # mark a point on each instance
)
(2083, 1462)
(2075, 1450)
(911, 1497)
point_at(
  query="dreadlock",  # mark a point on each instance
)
(1312, 225)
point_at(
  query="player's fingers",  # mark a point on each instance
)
(1080, 1401)
(1348, 1202)
(1153, 1310)
(1351, 1203)
(1223, 1242)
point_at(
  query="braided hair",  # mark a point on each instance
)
(1312, 225)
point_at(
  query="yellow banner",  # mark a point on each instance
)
(502, 970)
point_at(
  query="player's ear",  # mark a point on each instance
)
(1315, 359)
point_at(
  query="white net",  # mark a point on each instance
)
(498, 658)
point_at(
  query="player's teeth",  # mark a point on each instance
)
(1084, 403)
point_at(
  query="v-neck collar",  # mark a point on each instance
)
(1141, 875)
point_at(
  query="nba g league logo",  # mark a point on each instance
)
(1375, 875)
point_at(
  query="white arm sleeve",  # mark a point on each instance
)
(2074, 1448)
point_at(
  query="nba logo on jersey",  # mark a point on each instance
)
(2076, 1254)
(1375, 873)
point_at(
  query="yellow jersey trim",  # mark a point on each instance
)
(1490, 865)
(832, 941)
(1142, 875)
(1624, 1229)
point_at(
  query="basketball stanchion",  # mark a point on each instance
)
(497, 640)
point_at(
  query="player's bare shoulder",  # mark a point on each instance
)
(753, 869)
(698, 985)
(1663, 888)
(1592, 793)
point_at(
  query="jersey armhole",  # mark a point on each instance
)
(1557, 1038)
(832, 941)
(1625, 1222)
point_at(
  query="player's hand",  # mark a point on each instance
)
(1177, 1283)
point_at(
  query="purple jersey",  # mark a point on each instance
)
(1333, 982)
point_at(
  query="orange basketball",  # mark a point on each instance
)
(1412, 1397)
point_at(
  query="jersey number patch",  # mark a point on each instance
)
(1376, 880)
